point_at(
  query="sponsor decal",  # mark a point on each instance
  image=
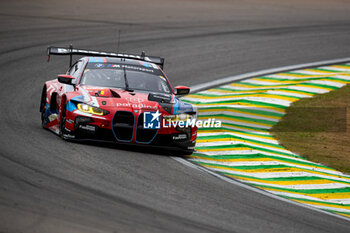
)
(145, 64)
(180, 137)
(88, 128)
(68, 130)
(113, 66)
(61, 50)
(68, 136)
(96, 59)
(94, 65)
(53, 117)
(138, 106)
(99, 65)
(137, 68)
(151, 120)
(70, 121)
(134, 99)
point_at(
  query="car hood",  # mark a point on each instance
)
(119, 99)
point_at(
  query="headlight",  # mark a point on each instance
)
(93, 110)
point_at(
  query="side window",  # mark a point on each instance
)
(75, 70)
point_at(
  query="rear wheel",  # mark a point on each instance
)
(62, 126)
(43, 121)
(42, 107)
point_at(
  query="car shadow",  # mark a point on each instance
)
(155, 150)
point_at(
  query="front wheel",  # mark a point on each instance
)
(186, 152)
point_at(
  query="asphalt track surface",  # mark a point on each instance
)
(49, 185)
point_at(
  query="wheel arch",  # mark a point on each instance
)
(43, 98)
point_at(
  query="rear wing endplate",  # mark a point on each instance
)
(51, 50)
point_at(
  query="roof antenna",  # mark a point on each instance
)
(118, 43)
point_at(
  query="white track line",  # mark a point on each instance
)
(240, 77)
(251, 188)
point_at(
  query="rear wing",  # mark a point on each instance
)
(51, 50)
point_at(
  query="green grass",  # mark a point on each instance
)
(318, 129)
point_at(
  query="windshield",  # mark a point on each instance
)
(138, 77)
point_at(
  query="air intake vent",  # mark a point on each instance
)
(144, 135)
(123, 125)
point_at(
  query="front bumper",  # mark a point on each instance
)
(101, 129)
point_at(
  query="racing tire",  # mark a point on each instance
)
(62, 126)
(43, 121)
(42, 107)
(181, 152)
(186, 152)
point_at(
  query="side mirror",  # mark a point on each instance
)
(66, 79)
(182, 90)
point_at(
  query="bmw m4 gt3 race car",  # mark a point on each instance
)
(119, 98)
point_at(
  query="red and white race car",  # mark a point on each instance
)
(118, 98)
